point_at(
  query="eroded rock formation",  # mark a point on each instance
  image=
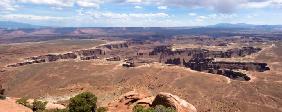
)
(117, 45)
(249, 66)
(115, 58)
(81, 54)
(87, 54)
(127, 101)
(203, 60)
(90, 54)
(167, 51)
(173, 101)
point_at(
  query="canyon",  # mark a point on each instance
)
(193, 58)
(213, 71)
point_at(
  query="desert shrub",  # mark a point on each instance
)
(23, 101)
(102, 109)
(2, 97)
(158, 108)
(38, 106)
(56, 110)
(84, 102)
(139, 108)
(161, 108)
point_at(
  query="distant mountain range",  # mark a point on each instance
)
(17, 25)
(229, 25)
(244, 25)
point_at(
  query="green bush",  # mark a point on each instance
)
(139, 108)
(102, 109)
(23, 101)
(84, 102)
(56, 110)
(38, 106)
(158, 108)
(161, 108)
(2, 97)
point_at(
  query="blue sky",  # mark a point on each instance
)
(140, 13)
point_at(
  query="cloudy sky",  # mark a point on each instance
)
(143, 13)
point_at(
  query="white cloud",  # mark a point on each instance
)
(7, 5)
(138, 7)
(221, 6)
(123, 19)
(263, 4)
(29, 17)
(201, 18)
(111, 15)
(65, 3)
(88, 3)
(192, 14)
(134, 1)
(162, 7)
(216, 17)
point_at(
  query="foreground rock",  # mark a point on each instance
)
(170, 100)
(127, 101)
(10, 105)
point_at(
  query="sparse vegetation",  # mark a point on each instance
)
(56, 110)
(23, 101)
(158, 108)
(161, 108)
(102, 109)
(139, 108)
(38, 106)
(2, 97)
(84, 102)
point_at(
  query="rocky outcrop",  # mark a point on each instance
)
(127, 101)
(81, 54)
(169, 100)
(53, 57)
(175, 61)
(10, 105)
(161, 49)
(230, 74)
(203, 60)
(244, 51)
(117, 45)
(115, 58)
(128, 64)
(249, 66)
(90, 54)
(167, 51)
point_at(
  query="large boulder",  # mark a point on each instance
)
(169, 100)
(127, 101)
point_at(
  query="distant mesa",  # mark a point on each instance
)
(17, 25)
